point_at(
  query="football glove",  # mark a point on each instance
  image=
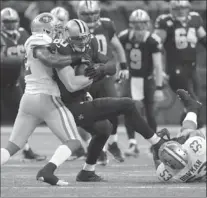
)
(164, 133)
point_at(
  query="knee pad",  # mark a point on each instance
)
(73, 144)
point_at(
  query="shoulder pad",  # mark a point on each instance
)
(105, 19)
(194, 14)
(38, 39)
(123, 33)
(156, 37)
(21, 29)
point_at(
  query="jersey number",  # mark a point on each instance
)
(166, 175)
(183, 37)
(195, 146)
(16, 50)
(102, 43)
(136, 59)
(60, 42)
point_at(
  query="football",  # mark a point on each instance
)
(79, 69)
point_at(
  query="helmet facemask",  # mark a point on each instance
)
(90, 18)
(78, 43)
(139, 29)
(173, 155)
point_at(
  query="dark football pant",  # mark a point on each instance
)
(88, 113)
(10, 99)
(186, 77)
(106, 88)
(148, 102)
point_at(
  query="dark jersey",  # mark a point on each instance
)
(104, 33)
(180, 44)
(139, 55)
(12, 48)
(92, 53)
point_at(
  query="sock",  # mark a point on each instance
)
(154, 139)
(191, 116)
(5, 155)
(89, 167)
(26, 147)
(112, 139)
(61, 154)
(132, 141)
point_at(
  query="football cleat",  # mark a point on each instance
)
(50, 178)
(116, 152)
(103, 159)
(190, 104)
(30, 155)
(132, 150)
(88, 176)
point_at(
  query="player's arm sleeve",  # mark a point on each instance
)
(201, 32)
(112, 29)
(156, 50)
(160, 28)
(53, 60)
(73, 83)
(121, 56)
(164, 174)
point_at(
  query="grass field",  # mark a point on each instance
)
(133, 178)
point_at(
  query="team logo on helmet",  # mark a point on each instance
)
(46, 19)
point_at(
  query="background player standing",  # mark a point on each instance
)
(143, 51)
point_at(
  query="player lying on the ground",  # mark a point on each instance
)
(183, 159)
(87, 114)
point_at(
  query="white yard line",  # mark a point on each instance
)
(109, 187)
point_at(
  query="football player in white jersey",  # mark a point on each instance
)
(41, 99)
(183, 159)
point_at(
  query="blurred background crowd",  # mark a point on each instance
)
(119, 12)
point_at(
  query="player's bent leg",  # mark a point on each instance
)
(100, 133)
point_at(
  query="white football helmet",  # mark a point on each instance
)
(9, 21)
(180, 9)
(77, 34)
(172, 154)
(89, 12)
(45, 23)
(140, 23)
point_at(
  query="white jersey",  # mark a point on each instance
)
(196, 167)
(38, 78)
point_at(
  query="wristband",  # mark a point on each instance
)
(123, 65)
(159, 87)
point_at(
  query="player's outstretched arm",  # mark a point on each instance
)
(72, 82)
(53, 60)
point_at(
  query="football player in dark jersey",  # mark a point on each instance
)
(180, 31)
(13, 38)
(143, 51)
(105, 32)
(90, 115)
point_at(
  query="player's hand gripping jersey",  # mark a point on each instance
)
(181, 37)
(195, 170)
(139, 56)
(38, 77)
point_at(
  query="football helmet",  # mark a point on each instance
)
(45, 23)
(172, 154)
(89, 12)
(9, 21)
(77, 34)
(140, 23)
(180, 9)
